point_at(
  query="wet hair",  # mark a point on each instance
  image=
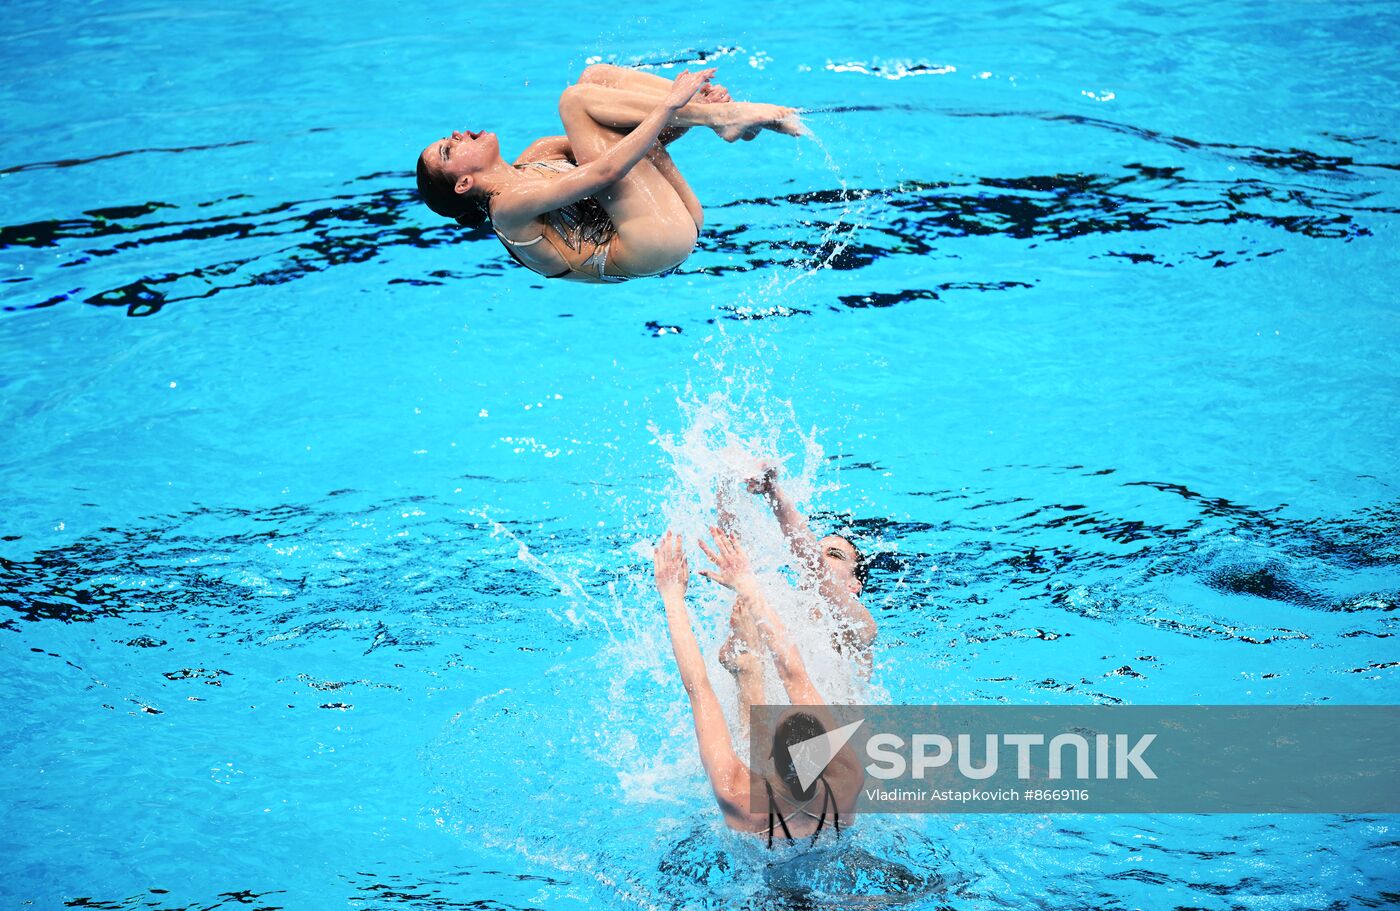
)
(792, 730)
(440, 194)
(862, 568)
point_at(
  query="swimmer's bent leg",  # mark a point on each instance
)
(655, 228)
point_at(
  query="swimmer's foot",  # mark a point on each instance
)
(752, 118)
(709, 94)
(792, 125)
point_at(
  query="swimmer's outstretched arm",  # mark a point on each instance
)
(533, 198)
(800, 538)
(794, 524)
(554, 148)
(807, 549)
(729, 777)
(732, 570)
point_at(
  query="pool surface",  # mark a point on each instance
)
(325, 525)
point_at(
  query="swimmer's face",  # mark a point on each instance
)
(839, 558)
(461, 155)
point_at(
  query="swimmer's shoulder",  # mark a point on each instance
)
(550, 148)
(512, 211)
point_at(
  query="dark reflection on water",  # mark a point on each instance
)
(462, 889)
(218, 563)
(921, 217)
(1094, 557)
(1053, 537)
(889, 299)
(163, 900)
(1292, 159)
(971, 567)
(454, 890)
(231, 244)
(74, 162)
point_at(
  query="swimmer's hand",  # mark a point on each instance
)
(672, 571)
(685, 86)
(765, 480)
(732, 569)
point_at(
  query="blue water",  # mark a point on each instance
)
(324, 523)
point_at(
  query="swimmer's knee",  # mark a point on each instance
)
(597, 74)
(573, 98)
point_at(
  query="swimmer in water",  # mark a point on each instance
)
(833, 565)
(787, 809)
(604, 203)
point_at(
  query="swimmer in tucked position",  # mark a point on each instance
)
(788, 808)
(605, 202)
(832, 566)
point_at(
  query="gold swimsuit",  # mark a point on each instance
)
(579, 224)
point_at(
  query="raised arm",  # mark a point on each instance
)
(732, 570)
(728, 775)
(807, 549)
(794, 524)
(529, 201)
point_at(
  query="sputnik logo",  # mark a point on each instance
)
(810, 757)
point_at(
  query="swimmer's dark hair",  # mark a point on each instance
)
(440, 195)
(794, 729)
(862, 568)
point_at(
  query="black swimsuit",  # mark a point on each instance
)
(827, 797)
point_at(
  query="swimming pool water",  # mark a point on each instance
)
(324, 524)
